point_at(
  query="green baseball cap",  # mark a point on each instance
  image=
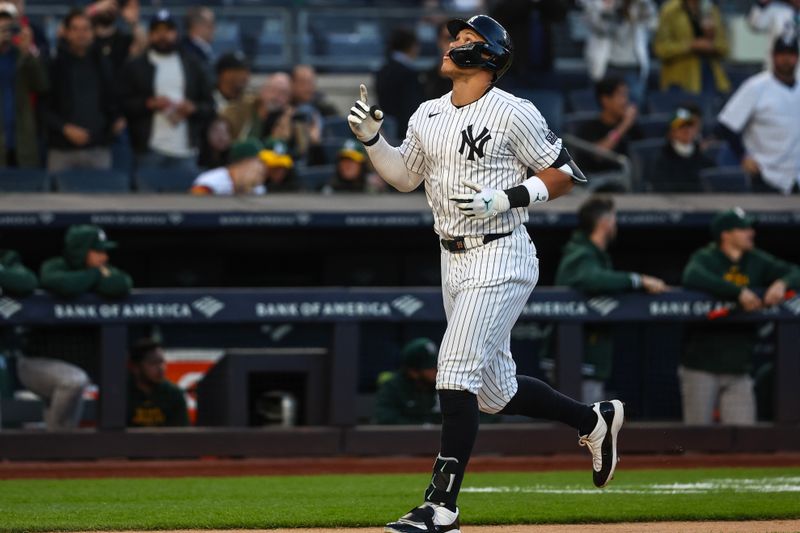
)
(245, 149)
(90, 237)
(730, 219)
(352, 149)
(420, 353)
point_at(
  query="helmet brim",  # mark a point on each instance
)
(456, 25)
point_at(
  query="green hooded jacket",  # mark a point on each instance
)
(727, 348)
(15, 278)
(68, 275)
(587, 268)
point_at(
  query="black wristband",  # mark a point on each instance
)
(518, 196)
(372, 141)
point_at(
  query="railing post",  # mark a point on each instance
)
(787, 373)
(113, 376)
(569, 358)
(344, 373)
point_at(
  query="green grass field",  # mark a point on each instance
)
(366, 500)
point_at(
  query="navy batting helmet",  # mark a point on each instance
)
(495, 54)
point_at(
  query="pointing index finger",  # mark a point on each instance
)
(363, 89)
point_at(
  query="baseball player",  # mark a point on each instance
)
(472, 148)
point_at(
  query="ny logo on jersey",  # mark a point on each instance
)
(475, 144)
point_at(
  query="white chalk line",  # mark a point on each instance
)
(708, 486)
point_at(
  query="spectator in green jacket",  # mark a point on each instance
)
(586, 265)
(153, 400)
(58, 383)
(715, 366)
(408, 396)
(84, 266)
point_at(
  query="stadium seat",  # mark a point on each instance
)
(331, 148)
(24, 180)
(389, 130)
(353, 45)
(92, 181)
(737, 74)
(574, 121)
(227, 37)
(336, 128)
(643, 155)
(583, 101)
(725, 156)
(271, 44)
(313, 178)
(163, 180)
(654, 126)
(713, 150)
(668, 101)
(549, 103)
(122, 153)
(725, 179)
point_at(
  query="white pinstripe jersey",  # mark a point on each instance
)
(491, 141)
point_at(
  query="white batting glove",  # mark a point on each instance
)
(365, 121)
(483, 203)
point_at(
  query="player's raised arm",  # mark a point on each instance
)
(365, 122)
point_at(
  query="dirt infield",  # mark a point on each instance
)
(772, 526)
(360, 465)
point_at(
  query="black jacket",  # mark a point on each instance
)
(673, 173)
(136, 87)
(82, 95)
(399, 92)
(189, 47)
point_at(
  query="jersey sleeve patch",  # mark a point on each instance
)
(551, 137)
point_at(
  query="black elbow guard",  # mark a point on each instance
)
(566, 164)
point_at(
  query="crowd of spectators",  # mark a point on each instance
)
(691, 43)
(116, 86)
(159, 91)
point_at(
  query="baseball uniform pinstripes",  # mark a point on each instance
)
(518, 138)
(484, 291)
(492, 141)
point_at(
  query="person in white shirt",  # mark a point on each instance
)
(252, 166)
(762, 125)
(617, 45)
(166, 98)
(776, 18)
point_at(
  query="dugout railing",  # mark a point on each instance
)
(348, 309)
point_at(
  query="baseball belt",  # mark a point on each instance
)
(462, 244)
